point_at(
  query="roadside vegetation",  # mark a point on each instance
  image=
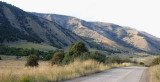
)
(75, 62)
(153, 62)
(155, 70)
(146, 60)
(15, 71)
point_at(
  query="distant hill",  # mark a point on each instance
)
(107, 35)
(17, 25)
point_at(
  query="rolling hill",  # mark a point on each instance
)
(107, 35)
(19, 26)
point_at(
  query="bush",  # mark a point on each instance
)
(75, 50)
(141, 63)
(97, 56)
(135, 62)
(57, 58)
(85, 56)
(113, 59)
(48, 57)
(0, 58)
(156, 61)
(32, 61)
(116, 59)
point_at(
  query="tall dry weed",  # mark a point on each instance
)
(154, 73)
(15, 71)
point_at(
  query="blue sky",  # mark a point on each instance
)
(144, 15)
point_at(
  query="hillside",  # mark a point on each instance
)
(108, 35)
(18, 26)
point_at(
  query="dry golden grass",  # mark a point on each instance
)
(146, 60)
(15, 71)
(154, 73)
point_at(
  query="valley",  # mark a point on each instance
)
(41, 47)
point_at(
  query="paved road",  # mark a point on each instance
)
(122, 74)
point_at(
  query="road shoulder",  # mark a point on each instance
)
(145, 76)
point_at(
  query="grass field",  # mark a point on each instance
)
(15, 71)
(35, 46)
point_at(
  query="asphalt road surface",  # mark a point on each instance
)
(122, 74)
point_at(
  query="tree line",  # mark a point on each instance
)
(12, 51)
(77, 50)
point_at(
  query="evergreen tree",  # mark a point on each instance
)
(75, 50)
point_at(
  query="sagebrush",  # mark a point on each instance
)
(156, 61)
(57, 58)
(32, 61)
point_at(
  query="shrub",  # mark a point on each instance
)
(135, 62)
(75, 50)
(156, 61)
(141, 63)
(48, 57)
(97, 56)
(85, 56)
(112, 59)
(57, 58)
(116, 59)
(0, 58)
(32, 61)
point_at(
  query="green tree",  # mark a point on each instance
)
(75, 50)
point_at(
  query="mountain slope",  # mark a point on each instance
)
(18, 25)
(108, 35)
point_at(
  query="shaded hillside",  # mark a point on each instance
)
(108, 35)
(18, 25)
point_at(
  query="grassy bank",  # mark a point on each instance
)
(35, 46)
(15, 71)
(155, 73)
(155, 70)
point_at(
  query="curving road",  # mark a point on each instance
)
(122, 74)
